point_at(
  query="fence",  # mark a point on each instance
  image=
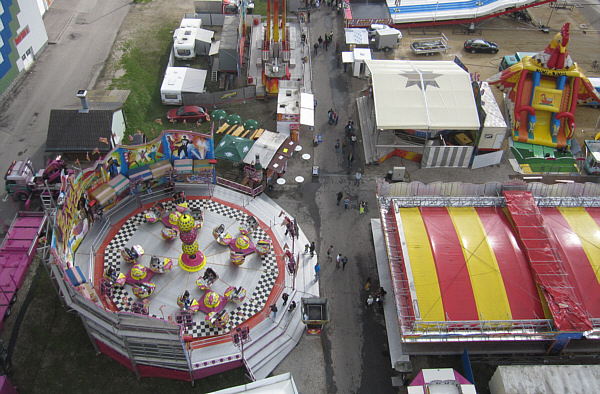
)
(239, 187)
(220, 98)
(581, 191)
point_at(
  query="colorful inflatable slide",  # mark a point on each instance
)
(542, 92)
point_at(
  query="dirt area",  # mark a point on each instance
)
(510, 34)
(138, 26)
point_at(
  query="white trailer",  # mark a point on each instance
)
(179, 81)
(430, 46)
(184, 38)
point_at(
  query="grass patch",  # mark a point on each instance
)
(144, 67)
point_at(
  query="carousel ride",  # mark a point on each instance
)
(243, 245)
(182, 222)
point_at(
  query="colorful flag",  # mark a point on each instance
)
(103, 139)
(87, 156)
(96, 150)
(159, 121)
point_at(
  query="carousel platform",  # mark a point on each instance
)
(264, 278)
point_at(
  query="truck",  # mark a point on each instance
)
(430, 46)
(22, 182)
(510, 60)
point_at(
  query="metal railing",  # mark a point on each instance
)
(239, 187)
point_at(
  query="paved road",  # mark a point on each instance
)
(81, 34)
(354, 343)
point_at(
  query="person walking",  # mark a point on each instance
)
(330, 253)
(343, 147)
(317, 269)
(274, 311)
(340, 195)
(337, 147)
(368, 284)
(338, 260)
(306, 248)
(320, 40)
(357, 178)
(350, 159)
(346, 202)
(312, 248)
(361, 207)
(292, 306)
(369, 300)
(285, 297)
(316, 46)
(344, 261)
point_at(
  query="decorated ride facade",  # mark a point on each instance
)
(542, 93)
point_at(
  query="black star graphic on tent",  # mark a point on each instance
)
(414, 78)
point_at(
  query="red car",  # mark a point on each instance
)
(189, 114)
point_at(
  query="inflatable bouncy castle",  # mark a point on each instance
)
(541, 94)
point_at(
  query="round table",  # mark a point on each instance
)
(280, 181)
(298, 148)
(299, 179)
(306, 156)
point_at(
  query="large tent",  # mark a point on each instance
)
(422, 95)
(233, 148)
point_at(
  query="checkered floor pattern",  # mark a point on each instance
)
(252, 304)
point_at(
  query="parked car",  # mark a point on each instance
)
(481, 46)
(189, 113)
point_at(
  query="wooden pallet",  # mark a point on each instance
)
(257, 134)
(223, 128)
(239, 130)
(245, 133)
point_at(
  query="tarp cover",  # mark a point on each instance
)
(547, 267)
(265, 146)
(422, 95)
(233, 148)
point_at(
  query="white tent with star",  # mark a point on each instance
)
(422, 95)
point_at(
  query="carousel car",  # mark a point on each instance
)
(481, 46)
(188, 113)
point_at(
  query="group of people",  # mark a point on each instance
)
(362, 205)
(323, 43)
(284, 297)
(332, 116)
(377, 296)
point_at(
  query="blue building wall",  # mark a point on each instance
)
(8, 68)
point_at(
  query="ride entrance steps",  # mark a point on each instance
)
(548, 269)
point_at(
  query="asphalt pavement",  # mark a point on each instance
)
(354, 344)
(81, 35)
